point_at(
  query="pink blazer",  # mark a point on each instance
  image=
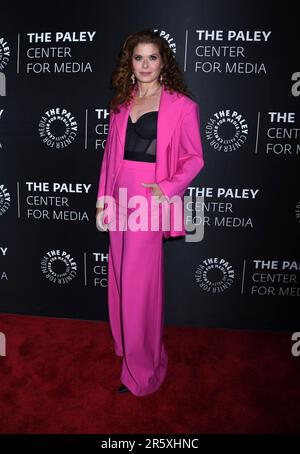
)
(179, 156)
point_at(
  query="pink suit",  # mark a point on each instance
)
(136, 263)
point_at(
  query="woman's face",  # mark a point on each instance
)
(146, 62)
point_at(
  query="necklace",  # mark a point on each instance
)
(151, 94)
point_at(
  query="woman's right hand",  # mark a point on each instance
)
(99, 220)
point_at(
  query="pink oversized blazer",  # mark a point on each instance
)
(179, 156)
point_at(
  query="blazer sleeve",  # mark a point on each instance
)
(103, 171)
(190, 160)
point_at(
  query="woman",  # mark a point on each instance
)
(152, 153)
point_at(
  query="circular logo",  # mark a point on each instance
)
(163, 34)
(214, 275)
(226, 131)
(4, 53)
(297, 211)
(4, 199)
(59, 267)
(58, 128)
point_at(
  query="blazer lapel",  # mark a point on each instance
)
(167, 118)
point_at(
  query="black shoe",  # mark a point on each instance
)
(123, 389)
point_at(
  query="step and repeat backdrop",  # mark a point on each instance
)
(241, 62)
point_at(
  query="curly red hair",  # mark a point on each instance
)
(121, 76)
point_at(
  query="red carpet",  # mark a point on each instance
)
(61, 376)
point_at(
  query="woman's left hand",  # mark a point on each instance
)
(156, 192)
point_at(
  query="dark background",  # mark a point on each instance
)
(24, 157)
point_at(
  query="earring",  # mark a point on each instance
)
(133, 78)
(161, 79)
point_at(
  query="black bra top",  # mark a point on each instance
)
(140, 144)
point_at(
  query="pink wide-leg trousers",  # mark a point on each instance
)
(136, 286)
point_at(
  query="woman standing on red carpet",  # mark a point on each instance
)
(152, 153)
